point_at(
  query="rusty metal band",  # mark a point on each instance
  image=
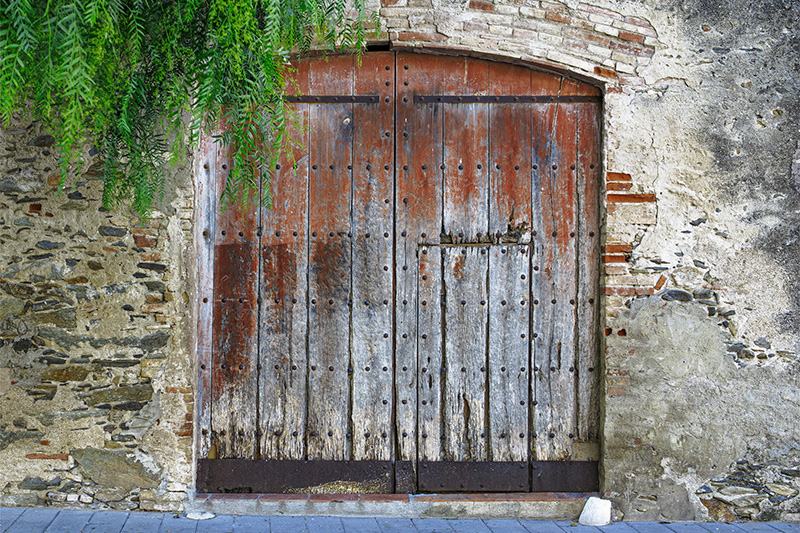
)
(564, 476)
(274, 476)
(520, 99)
(334, 99)
(457, 476)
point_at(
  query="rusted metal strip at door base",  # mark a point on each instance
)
(455, 476)
(504, 99)
(337, 477)
(334, 99)
(564, 476)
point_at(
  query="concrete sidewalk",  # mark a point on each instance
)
(30, 520)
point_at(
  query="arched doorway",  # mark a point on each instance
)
(418, 312)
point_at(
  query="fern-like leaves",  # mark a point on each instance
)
(140, 78)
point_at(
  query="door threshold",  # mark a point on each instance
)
(521, 505)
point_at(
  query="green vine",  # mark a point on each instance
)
(141, 77)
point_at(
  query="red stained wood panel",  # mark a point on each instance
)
(464, 164)
(372, 267)
(330, 260)
(418, 216)
(509, 156)
(235, 327)
(543, 256)
(284, 310)
(555, 282)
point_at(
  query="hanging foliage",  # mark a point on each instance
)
(140, 77)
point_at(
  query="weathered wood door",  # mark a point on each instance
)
(418, 312)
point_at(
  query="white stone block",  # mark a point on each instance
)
(596, 512)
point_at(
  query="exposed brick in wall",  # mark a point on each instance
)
(627, 204)
(587, 39)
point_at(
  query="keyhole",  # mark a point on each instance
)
(346, 121)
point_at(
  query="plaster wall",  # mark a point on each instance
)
(701, 275)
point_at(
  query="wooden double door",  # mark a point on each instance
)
(418, 312)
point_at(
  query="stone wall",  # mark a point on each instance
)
(95, 366)
(701, 270)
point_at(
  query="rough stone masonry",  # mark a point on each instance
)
(701, 147)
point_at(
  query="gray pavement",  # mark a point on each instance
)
(30, 520)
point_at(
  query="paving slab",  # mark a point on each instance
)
(541, 526)
(618, 527)
(251, 524)
(179, 524)
(218, 524)
(721, 527)
(432, 525)
(8, 515)
(361, 525)
(32, 520)
(505, 526)
(324, 523)
(69, 521)
(649, 527)
(688, 527)
(293, 524)
(106, 522)
(765, 527)
(784, 527)
(474, 526)
(395, 525)
(143, 523)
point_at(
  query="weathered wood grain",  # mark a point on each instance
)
(283, 352)
(372, 268)
(564, 202)
(204, 241)
(464, 365)
(235, 327)
(509, 320)
(465, 153)
(418, 216)
(509, 156)
(329, 278)
(543, 264)
(430, 393)
(588, 143)
(557, 290)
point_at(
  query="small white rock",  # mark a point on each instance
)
(596, 512)
(200, 515)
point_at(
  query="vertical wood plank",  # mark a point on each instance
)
(464, 365)
(235, 328)
(557, 291)
(542, 259)
(509, 319)
(588, 272)
(418, 216)
(204, 241)
(430, 393)
(465, 152)
(284, 309)
(372, 268)
(330, 196)
(509, 156)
